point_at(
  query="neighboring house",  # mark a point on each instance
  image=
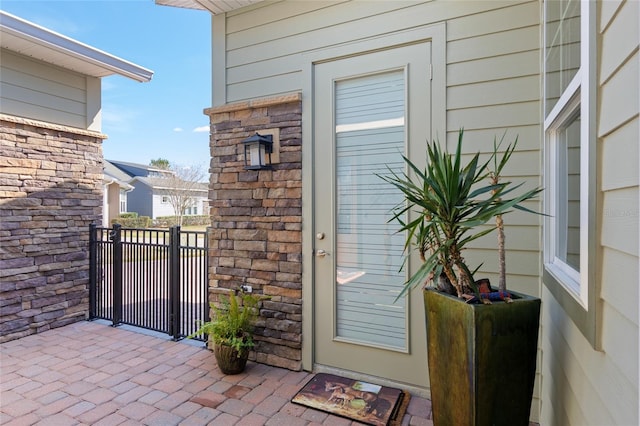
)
(135, 169)
(51, 172)
(563, 76)
(115, 188)
(152, 188)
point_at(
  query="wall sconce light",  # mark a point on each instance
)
(257, 152)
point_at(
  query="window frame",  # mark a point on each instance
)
(576, 291)
(122, 198)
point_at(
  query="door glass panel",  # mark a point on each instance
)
(370, 136)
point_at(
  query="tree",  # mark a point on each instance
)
(183, 187)
(160, 163)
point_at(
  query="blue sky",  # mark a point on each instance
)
(159, 119)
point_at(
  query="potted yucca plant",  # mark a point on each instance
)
(231, 330)
(482, 343)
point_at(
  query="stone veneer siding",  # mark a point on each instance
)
(50, 191)
(256, 234)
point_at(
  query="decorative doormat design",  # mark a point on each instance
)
(354, 399)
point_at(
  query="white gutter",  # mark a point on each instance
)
(123, 185)
(44, 37)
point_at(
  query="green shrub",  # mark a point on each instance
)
(165, 221)
(133, 222)
(196, 220)
(191, 220)
(129, 215)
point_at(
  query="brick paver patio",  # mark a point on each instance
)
(89, 373)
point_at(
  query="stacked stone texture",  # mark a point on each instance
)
(256, 235)
(50, 191)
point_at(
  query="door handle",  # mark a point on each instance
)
(321, 253)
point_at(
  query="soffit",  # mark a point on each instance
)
(213, 6)
(29, 39)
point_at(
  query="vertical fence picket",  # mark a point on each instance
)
(93, 279)
(116, 237)
(174, 282)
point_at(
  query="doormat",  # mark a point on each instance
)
(364, 402)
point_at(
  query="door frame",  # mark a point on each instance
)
(436, 34)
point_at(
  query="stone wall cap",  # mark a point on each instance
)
(51, 126)
(255, 103)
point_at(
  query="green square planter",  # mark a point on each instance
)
(482, 359)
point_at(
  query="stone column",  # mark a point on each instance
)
(256, 234)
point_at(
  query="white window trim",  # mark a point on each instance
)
(580, 93)
(122, 202)
(561, 114)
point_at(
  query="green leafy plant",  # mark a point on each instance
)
(495, 176)
(132, 220)
(233, 322)
(128, 215)
(449, 204)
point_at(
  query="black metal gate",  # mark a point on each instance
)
(150, 278)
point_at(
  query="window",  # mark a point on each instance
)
(165, 199)
(569, 122)
(123, 201)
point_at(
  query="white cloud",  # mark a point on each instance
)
(201, 129)
(177, 129)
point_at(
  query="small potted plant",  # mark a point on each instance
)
(482, 345)
(231, 330)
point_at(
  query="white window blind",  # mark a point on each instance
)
(370, 136)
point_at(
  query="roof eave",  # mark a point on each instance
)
(214, 6)
(68, 47)
(121, 184)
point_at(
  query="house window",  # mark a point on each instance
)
(569, 122)
(191, 210)
(123, 201)
(165, 199)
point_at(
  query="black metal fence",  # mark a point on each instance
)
(150, 278)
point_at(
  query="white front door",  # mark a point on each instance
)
(368, 110)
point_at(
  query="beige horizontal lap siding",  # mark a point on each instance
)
(264, 44)
(492, 74)
(493, 87)
(34, 89)
(583, 386)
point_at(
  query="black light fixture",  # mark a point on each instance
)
(257, 152)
